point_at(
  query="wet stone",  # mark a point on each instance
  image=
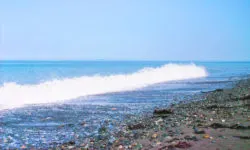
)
(136, 126)
(198, 131)
(191, 138)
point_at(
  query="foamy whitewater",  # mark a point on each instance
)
(16, 95)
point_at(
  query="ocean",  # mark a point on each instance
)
(46, 103)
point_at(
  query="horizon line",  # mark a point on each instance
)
(123, 60)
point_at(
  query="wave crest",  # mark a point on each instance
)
(14, 95)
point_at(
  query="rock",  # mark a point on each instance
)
(214, 106)
(154, 136)
(158, 121)
(71, 147)
(23, 147)
(163, 111)
(218, 90)
(183, 145)
(198, 131)
(218, 125)
(120, 147)
(83, 123)
(138, 146)
(191, 138)
(239, 126)
(70, 143)
(235, 126)
(244, 97)
(242, 137)
(113, 108)
(103, 145)
(206, 136)
(136, 126)
(169, 138)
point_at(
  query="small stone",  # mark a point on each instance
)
(158, 121)
(221, 136)
(206, 136)
(103, 146)
(138, 146)
(136, 126)
(83, 123)
(193, 138)
(169, 138)
(5, 140)
(120, 147)
(134, 144)
(48, 118)
(71, 147)
(154, 136)
(113, 108)
(23, 147)
(173, 143)
(198, 131)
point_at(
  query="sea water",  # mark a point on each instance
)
(46, 103)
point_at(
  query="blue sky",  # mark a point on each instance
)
(125, 29)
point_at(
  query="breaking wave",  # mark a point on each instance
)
(16, 95)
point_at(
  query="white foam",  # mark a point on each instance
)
(15, 95)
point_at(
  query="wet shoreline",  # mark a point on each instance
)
(219, 120)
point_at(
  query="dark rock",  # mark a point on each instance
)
(218, 90)
(238, 126)
(243, 137)
(183, 145)
(218, 125)
(216, 106)
(136, 126)
(70, 143)
(235, 126)
(83, 123)
(163, 111)
(245, 97)
(191, 138)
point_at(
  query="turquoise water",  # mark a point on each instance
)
(44, 125)
(32, 72)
